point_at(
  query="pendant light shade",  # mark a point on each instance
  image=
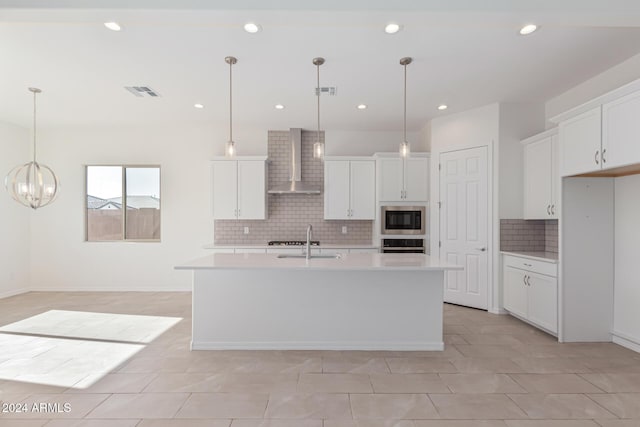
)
(33, 184)
(230, 149)
(318, 146)
(405, 149)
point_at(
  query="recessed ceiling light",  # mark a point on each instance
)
(251, 27)
(279, 107)
(113, 26)
(198, 106)
(392, 28)
(528, 29)
(442, 107)
(362, 106)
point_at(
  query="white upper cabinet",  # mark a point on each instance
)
(416, 179)
(363, 189)
(541, 176)
(349, 189)
(403, 180)
(581, 143)
(621, 131)
(239, 189)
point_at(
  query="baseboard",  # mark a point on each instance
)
(498, 311)
(318, 345)
(7, 294)
(186, 288)
(626, 341)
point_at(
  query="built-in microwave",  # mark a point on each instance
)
(403, 220)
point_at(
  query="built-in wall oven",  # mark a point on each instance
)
(403, 220)
(403, 246)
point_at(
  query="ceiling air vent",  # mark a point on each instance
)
(327, 90)
(142, 91)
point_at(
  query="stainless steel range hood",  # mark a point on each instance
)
(295, 184)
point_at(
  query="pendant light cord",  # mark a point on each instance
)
(230, 103)
(34, 126)
(318, 95)
(405, 103)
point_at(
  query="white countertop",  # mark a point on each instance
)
(321, 246)
(362, 262)
(540, 256)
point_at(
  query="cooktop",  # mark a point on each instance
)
(292, 243)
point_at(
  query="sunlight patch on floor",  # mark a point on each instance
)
(65, 348)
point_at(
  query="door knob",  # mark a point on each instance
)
(481, 249)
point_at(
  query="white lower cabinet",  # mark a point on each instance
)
(531, 291)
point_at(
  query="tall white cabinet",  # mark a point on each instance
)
(541, 176)
(403, 180)
(239, 188)
(349, 188)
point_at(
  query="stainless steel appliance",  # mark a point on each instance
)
(403, 246)
(403, 220)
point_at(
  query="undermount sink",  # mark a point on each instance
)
(336, 256)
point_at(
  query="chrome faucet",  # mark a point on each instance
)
(309, 230)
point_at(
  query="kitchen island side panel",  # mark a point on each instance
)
(324, 310)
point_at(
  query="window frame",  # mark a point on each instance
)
(124, 168)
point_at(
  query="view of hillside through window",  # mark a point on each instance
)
(110, 189)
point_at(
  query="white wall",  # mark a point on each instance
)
(365, 143)
(60, 257)
(626, 322)
(517, 122)
(14, 218)
(612, 78)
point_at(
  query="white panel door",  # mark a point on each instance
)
(390, 180)
(225, 189)
(620, 131)
(580, 143)
(416, 179)
(336, 189)
(363, 189)
(464, 225)
(543, 301)
(515, 291)
(537, 180)
(251, 189)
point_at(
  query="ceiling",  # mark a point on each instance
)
(465, 55)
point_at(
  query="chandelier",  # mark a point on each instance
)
(33, 184)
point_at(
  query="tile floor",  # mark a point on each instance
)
(121, 369)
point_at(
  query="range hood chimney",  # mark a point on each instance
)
(295, 184)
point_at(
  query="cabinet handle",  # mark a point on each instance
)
(238, 213)
(524, 279)
(528, 283)
(553, 209)
(604, 159)
(596, 158)
(235, 212)
(548, 209)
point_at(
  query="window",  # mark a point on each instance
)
(123, 203)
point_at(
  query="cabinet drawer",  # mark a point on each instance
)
(540, 267)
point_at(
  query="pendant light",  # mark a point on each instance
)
(404, 145)
(33, 184)
(230, 149)
(318, 146)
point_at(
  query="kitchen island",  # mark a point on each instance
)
(351, 302)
